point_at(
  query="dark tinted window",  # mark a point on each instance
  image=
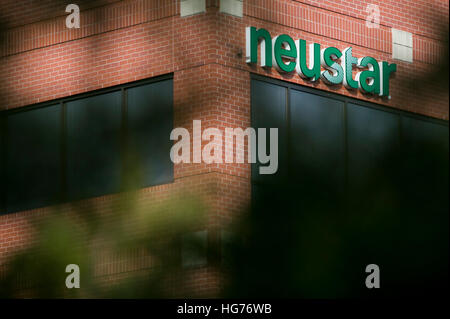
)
(269, 111)
(317, 136)
(150, 121)
(93, 145)
(371, 133)
(33, 158)
(76, 149)
(393, 210)
(2, 165)
(415, 130)
(425, 160)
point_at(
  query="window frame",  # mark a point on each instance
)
(342, 98)
(62, 102)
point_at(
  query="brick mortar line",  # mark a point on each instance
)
(242, 69)
(442, 44)
(212, 172)
(60, 16)
(396, 107)
(358, 18)
(36, 24)
(87, 36)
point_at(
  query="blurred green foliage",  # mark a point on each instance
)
(89, 237)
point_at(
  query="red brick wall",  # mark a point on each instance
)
(421, 17)
(123, 41)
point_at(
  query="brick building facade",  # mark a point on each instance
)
(120, 42)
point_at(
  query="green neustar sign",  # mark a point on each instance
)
(288, 55)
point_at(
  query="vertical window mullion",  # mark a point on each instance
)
(124, 139)
(63, 195)
(345, 141)
(288, 131)
(93, 150)
(2, 163)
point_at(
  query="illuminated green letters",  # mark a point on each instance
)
(253, 36)
(288, 55)
(327, 60)
(284, 47)
(313, 71)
